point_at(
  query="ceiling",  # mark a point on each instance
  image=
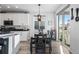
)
(28, 7)
(65, 10)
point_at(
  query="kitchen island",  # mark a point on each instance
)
(11, 42)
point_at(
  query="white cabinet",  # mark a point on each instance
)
(28, 35)
(16, 40)
(10, 48)
(16, 44)
(25, 35)
(18, 18)
(13, 42)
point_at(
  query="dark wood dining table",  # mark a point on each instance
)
(40, 42)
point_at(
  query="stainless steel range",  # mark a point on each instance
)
(4, 45)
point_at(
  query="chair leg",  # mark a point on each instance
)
(30, 48)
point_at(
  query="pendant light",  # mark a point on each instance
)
(39, 16)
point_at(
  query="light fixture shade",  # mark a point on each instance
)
(39, 17)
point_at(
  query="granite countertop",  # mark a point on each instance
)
(15, 28)
(9, 34)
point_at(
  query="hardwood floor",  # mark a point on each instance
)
(56, 48)
(24, 48)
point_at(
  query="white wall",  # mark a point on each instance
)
(61, 8)
(74, 32)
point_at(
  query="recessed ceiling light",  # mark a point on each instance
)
(8, 6)
(16, 6)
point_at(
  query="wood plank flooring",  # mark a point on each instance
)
(25, 48)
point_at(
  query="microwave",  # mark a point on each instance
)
(8, 22)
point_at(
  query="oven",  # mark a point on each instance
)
(4, 45)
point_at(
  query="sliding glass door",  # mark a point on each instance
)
(60, 35)
(67, 29)
(64, 29)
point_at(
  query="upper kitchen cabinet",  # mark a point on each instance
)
(18, 18)
(0, 20)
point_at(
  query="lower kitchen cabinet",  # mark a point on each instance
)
(25, 35)
(10, 45)
(16, 43)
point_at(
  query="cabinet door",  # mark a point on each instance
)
(10, 48)
(24, 36)
(16, 40)
(28, 35)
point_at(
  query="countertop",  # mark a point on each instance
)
(10, 34)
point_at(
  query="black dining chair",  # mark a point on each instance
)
(40, 46)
